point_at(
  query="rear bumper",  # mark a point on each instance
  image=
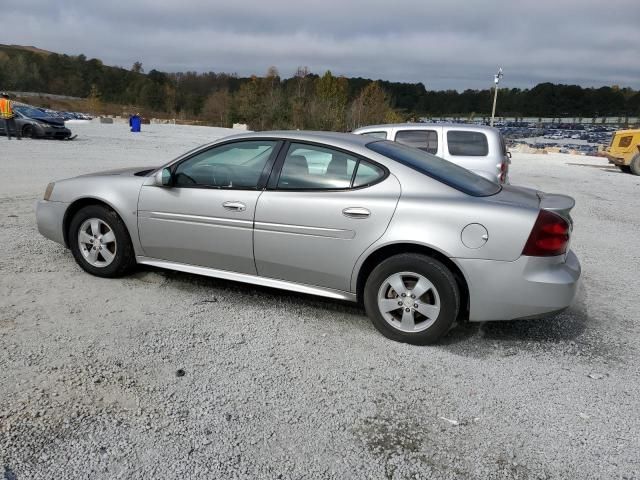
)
(50, 219)
(526, 288)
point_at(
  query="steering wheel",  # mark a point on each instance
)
(180, 177)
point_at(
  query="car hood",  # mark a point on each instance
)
(49, 120)
(138, 171)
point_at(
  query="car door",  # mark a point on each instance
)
(322, 209)
(205, 216)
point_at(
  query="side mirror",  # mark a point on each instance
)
(163, 178)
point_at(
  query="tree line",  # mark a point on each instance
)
(305, 100)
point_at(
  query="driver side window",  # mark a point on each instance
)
(235, 165)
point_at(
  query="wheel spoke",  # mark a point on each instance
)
(95, 227)
(428, 310)
(85, 238)
(397, 283)
(422, 287)
(93, 255)
(408, 322)
(388, 305)
(109, 237)
(107, 255)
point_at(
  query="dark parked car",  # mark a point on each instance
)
(35, 123)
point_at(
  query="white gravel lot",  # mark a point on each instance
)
(280, 385)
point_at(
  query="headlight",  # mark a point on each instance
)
(49, 191)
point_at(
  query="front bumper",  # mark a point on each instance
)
(50, 219)
(528, 287)
(58, 133)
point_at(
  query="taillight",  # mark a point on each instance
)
(549, 236)
(503, 171)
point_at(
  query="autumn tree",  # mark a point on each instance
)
(372, 106)
(299, 98)
(217, 108)
(94, 101)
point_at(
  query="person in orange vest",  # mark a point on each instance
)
(6, 114)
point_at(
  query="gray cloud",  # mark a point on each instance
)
(444, 44)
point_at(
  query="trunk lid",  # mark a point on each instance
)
(527, 197)
(557, 203)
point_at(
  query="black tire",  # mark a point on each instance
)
(434, 271)
(124, 259)
(28, 131)
(635, 165)
(625, 168)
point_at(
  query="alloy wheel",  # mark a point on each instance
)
(409, 302)
(97, 242)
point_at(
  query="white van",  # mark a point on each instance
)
(478, 148)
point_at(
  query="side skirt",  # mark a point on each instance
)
(247, 278)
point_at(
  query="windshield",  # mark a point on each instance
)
(30, 112)
(436, 167)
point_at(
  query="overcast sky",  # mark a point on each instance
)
(442, 43)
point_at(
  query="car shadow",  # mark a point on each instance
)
(572, 331)
(187, 281)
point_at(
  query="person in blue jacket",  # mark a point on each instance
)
(135, 122)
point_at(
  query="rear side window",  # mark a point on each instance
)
(312, 167)
(467, 144)
(425, 140)
(367, 174)
(435, 167)
(625, 141)
(380, 135)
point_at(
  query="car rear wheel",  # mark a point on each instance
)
(635, 165)
(100, 242)
(412, 298)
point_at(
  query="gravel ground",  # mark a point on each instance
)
(169, 375)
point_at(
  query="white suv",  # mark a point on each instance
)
(477, 148)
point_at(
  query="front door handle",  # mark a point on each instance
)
(356, 212)
(235, 206)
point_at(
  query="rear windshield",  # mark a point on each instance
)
(436, 167)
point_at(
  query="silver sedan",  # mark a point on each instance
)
(419, 241)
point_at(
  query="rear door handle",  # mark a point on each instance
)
(356, 212)
(235, 206)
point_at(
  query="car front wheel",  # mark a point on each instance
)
(412, 298)
(100, 243)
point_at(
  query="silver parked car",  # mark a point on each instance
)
(478, 148)
(418, 240)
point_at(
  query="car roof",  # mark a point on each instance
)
(459, 126)
(332, 138)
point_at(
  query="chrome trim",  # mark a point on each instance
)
(235, 206)
(198, 219)
(356, 212)
(304, 230)
(247, 278)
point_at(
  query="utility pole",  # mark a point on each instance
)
(496, 81)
